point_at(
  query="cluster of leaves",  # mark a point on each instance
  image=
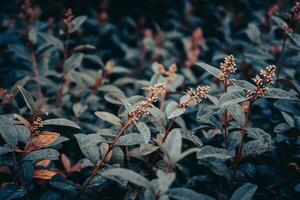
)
(97, 118)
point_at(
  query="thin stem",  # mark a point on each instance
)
(283, 46)
(225, 121)
(102, 161)
(243, 132)
(168, 129)
(60, 92)
(35, 67)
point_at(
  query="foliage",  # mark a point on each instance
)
(151, 109)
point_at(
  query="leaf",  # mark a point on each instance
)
(288, 119)
(43, 140)
(290, 84)
(232, 97)
(73, 62)
(245, 85)
(158, 115)
(254, 147)
(282, 24)
(164, 180)
(260, 135)
(173, 144)
(210, 69)
(43, 174)
(111, 118)
(186, 153)
(52, 40)
(253, 33)
(158, 79)
(89, 145)
(43, 163)
(276, 93)
(237, 113)
(61, 122)
(8, 131)
(144, 131)
(244, 192)
(187, 194)
(43, 154)
(76, 23)
(210, 151)
(10, 191)
(130, 139)
(27, 98)
(172, 110)
(128, 175)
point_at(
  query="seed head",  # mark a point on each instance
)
(227, 68)
(142, 109)
(261, 80)
(35, 126)
(195, 96)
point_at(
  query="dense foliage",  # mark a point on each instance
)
(150, 100)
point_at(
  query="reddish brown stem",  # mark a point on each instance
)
(243, 133)
(168, 129)
(102, 161)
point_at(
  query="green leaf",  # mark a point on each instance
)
(111, 118)
(74, 61)
(8, 131)
(289, 119)
(173, 144)
(76, 23)
(244, 192)
(10, 191)
(27, 98)
(130, 139)
(276, 93)
(237, 113)
(52, 40)
(158, 115)
(232, 97)
(260, 135)
(164, 180)
(144, 131)
(254, 147)
(187, 194)
(61, 122)
(214, 152)
(43, 154)
(89, 145)
(210, 69)
(172, 110)
(245, 85)
(282, 24)
(128, 175)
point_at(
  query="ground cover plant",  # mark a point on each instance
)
(150, 100)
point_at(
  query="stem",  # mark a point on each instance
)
(35, 67)
(280, 58)
(60, 92)
(168, 129)
(225, 121)
(243, 132)
(102, 161)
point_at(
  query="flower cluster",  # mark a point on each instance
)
(29, 13)
(68, 17)
(5, 96)
(264, 78)
(35, 126)
(195, 96)
(227, 68)
(295, 12)
(142, 109)
(170, 74)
